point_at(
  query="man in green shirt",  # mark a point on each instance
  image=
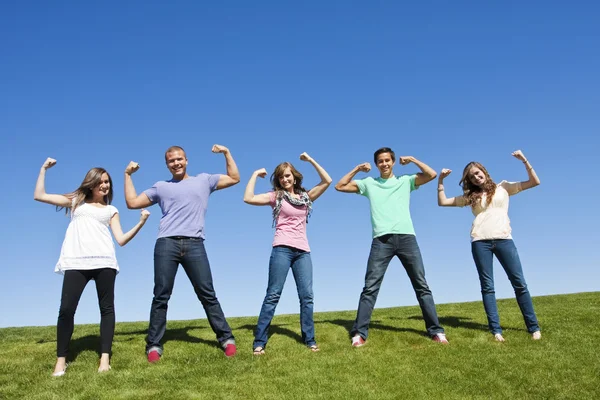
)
(393, 235)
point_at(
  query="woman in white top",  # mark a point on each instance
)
(87, 253)
(491, 235)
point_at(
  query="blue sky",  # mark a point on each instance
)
(447, 82)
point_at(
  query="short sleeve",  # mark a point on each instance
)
(362, 186)
(152, 193)
(272, 197)
(113, 210)
(413, 182)
(511, 188)
(213, 181)
(460, 201)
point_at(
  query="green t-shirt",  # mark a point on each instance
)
(390, 203)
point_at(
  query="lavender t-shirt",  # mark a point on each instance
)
(183, 204)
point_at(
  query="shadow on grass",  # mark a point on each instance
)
(457, 322)
(348, 324)
(277, 330)
(79, 345)
(177, 335)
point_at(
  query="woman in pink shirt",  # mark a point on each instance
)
(491, 236)
(292, 205)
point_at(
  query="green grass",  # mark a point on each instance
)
(399, 361)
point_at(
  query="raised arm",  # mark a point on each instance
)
(427, 173)
(124, 238)
(40, 194)
(256, 199)
(346, 184)
(443, 201)
(326, 180)
(132, 200)
(533, 180)
(233, 175)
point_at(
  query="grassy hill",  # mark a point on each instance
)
(399, 361)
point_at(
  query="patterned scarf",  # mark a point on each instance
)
(304, 200)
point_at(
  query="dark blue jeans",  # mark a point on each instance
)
(383, 249)
(282, 259)
(506, 252)
(190, 253)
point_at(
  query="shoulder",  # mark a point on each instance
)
(510, 187)
(369, 180)
(160, 183)
(406, 178)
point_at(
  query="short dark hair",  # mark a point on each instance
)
(174, 148)
(384, 150)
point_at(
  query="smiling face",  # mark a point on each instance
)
(177, 164)
(286, 180)
(102, 188)
(385, 164)
(476, 176)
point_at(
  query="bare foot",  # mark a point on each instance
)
(104, 363)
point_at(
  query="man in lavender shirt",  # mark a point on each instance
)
(183, 201)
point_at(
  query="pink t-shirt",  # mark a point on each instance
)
(290, 229)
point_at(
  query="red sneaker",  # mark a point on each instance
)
(153, 356)
(358, 341)
(440, 338)
(230, 350)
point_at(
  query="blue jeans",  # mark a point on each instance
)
(506, 252)
(282, 259)
(383, 249)
(169, 252)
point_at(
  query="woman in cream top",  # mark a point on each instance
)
(491, 236)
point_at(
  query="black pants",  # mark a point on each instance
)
(73, 285)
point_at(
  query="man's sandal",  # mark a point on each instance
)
(259, 351)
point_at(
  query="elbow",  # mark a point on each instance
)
(247, 200)
(130, 204)
(339, 187)
(433, 176)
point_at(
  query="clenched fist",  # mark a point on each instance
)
(445, 172)
(261, 172)
(364, 167)
(132, 167)
(217, 148)
(49, 163)
(144, 215)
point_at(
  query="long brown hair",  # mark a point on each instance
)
(84, 191)
(472, 192)
(279, 170)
